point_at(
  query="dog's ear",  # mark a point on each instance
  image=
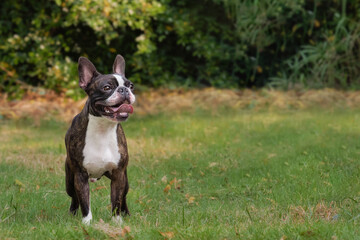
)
(119, 65)
(86, 71)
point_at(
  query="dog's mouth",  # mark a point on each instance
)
(118, 112)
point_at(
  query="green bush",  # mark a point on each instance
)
(40, 41)
(221, 43)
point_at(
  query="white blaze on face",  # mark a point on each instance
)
(121, 83)
(119, 79)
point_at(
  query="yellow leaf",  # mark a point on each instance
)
(19, 183)
(169, 28)
(294, 28)
(191, 199)
(331, 38)
(316, 23)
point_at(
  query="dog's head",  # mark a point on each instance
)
(110, 95)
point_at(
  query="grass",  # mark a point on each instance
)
(225, 175)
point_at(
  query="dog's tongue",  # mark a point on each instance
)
(125, 108)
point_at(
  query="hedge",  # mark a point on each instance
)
(171, 43)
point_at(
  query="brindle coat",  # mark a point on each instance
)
(77, 185)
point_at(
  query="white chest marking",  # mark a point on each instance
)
(101, 153)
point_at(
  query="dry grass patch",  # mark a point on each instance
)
(145, 149)
(53, 163)
(50, 104)
(112, 232)
(321, 211)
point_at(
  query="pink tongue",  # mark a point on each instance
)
(127, 108)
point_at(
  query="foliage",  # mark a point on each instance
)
(40, 44)
(227, 43)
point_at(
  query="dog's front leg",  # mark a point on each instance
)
(124, 207)
(118, 193)
(82, 191)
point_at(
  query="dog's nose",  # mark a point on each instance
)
(123, 91)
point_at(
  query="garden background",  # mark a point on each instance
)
(246, 124)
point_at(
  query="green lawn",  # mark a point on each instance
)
(229, 175)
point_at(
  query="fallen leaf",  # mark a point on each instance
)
(19, 183)
(191, 199)
(125, 231)
(271, 155)
(167, 234)
(98, 188)
(173, 181)
(164, 179)
(167, 188)
(176, 183)
(213, 164)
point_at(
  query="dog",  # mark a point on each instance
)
(95, 142)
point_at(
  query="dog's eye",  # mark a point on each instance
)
(131, 86)
(106, 88)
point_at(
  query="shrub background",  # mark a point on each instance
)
(220, 43)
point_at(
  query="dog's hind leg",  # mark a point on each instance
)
(70, 189)
(118, 193)
(81, 183)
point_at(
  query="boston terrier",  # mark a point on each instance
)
(95, 142)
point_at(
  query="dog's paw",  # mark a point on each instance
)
(117, 219)
(86, 220)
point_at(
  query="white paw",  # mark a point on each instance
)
(117, 219)
(86, 220)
